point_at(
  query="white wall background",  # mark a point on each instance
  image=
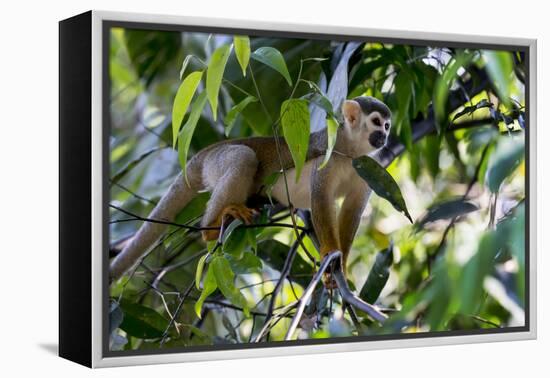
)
(29, 175)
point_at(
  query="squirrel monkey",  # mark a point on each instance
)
(233, 170)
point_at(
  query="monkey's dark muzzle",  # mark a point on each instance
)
(377, 139)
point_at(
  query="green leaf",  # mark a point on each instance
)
(446, 210)
(295, 122)
(431, 150)
(184, 65)
(321, 101)
(235, 239)
(187, 131)
(273, 58)
(381, 182)
(500, 67)
(142, 322)
(242, 51)
(214, 76)
(209, 286)
(248, 263)
(200, 268)
(508, 154)
(378, 275)
(332, 130)
(182, 100)
(475, 270)
(443, 85)
(231, 116)
(224, 279)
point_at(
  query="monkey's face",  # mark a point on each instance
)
(367, 123)
(378, 128)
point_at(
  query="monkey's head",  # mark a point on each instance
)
(367, 122)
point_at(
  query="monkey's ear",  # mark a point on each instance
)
(352, 112)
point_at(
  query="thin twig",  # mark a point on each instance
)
(195, 228)
(284, 274)
(302, 302)
(177, 312)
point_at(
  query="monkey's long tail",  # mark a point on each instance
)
(178, 195)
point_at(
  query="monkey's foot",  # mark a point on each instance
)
(237, 211)
(209, 235)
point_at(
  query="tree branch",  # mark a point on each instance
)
(343, 287)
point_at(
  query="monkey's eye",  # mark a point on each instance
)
(387, 125)
(376, 121)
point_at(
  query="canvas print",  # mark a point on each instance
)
(270, 189)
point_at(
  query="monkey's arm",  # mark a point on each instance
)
(323, 206)
(350, 215)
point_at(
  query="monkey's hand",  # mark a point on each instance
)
(329, 281)
(236, 211)
(328, 277)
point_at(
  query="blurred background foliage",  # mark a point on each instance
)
(456, 151)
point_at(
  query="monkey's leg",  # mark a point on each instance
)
(231, 173)
(323, 212)
(350, 216)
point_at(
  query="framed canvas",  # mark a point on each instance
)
(235, 189)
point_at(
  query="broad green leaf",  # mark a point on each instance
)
(224, 279)
(443, 85)
(214, 76)
(508, 154)
(248, 263)
(295, 122)
(273, 58)
(321, 101)
(500, 67)
(513, 228)
(378, 275)
(142, 322)
(242, 51)
(230, 229)
(187, 131)
(239, 241)
(182, 100)
(208, 287)
(381, 182)
(231, 116)
(475, 270)
(446, 210)
(236, 239)
(200, 268)
(431, 151)
(332, 130)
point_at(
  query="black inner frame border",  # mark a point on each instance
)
(106, 26)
